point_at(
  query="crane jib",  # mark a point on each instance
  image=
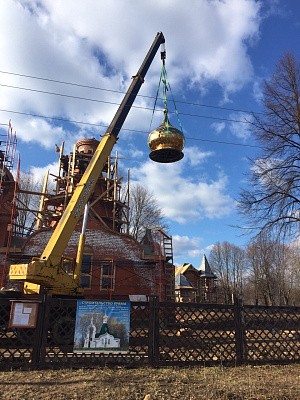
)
(84, 197)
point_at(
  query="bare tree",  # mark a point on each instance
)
(27, 203)
(144, 211)
(293, 274)
(274, 275)
(228, 262)
(272, 203)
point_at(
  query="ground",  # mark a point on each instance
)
(218, 383)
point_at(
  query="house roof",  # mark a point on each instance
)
(183, 268)
(181, 282)
(205, 269)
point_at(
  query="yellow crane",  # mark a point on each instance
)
(48, 270)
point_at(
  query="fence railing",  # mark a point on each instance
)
(160, 334)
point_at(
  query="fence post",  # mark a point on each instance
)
(239, 331)
(42, 329)
(153, 335)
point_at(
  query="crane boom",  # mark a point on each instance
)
(47, 270)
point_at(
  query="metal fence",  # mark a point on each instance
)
(161, 334)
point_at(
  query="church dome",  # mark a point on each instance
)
(87, 146)
(166, 143)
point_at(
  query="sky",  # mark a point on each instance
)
(65, 66)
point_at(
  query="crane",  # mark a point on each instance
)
(48, 270)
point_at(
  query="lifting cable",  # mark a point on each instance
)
(166, 87)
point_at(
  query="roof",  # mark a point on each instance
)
(104, 243)
(182, 282)
(148, 243)
(205, 269)
(183, 268)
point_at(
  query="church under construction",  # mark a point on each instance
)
(114, 264)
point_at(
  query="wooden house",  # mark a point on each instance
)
(195, 285)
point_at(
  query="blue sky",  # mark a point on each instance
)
(218, 55)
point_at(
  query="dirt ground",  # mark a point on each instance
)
(239, 383)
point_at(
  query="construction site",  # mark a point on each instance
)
(74, 238)
(114, 264)
(77, 289)
(83, 221)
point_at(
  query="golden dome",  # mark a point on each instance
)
(166, 143)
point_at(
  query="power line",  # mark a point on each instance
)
(64, 120)
(114, 103)
(59, 94)
(62, 82)
(120, 92)
(222, 142)
(124, 129)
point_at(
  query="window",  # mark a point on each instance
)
(107, 278)
(86, 271)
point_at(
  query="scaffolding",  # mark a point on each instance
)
(58, 188)
(164, 277)
(8, 187)
(8, 144)
(114, 212)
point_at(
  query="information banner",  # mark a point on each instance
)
(23, 314)
(102, 326)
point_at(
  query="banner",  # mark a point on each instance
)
(102, 326)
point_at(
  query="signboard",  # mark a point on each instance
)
(102, 326)
(23, 314)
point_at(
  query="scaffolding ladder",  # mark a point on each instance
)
(164, 277)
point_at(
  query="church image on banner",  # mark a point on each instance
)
(103, 339)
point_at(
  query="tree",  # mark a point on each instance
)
(293, 274)
(273, 200)
(228, 262)
(27, 203)
(264, 256)
(274, 272)
(144, 211)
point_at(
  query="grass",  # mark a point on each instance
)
(217, 383)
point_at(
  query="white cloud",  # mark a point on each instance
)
(213, 43)
(218, 127)
(269, 173)
(103, 44)
(34, 128)
(181, 197)
(187, 248)
(39, 173)
(257, 90)
(135, 152)
(241, 129)
(196, 157)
